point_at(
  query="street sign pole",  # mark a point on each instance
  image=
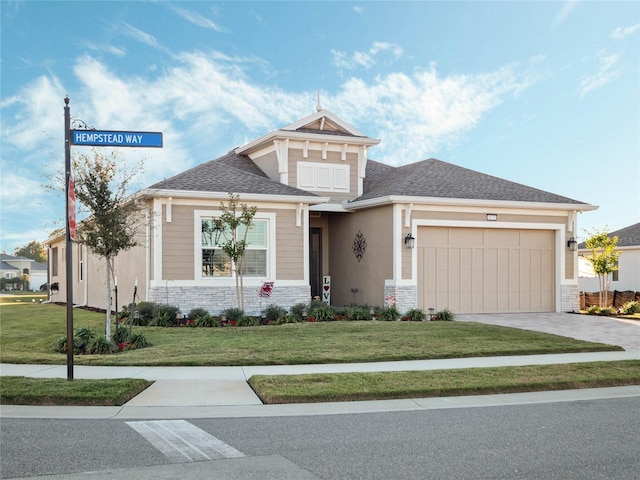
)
(68, 253)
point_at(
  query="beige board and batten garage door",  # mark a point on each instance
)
(486, 270)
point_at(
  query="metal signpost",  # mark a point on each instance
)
(92, 138)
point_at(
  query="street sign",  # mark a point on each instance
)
(113, 138)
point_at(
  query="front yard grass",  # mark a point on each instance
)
(27, 333)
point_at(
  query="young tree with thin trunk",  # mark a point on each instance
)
(234, 225)
(113, 219)
(604, 258)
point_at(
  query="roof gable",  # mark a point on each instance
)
(229, 173)
(324, 122)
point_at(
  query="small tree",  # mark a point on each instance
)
(33, 250)
(604, 259)
(113, 219)
(234, 225)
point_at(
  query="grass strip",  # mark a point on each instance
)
(57, 391)
(343, 387)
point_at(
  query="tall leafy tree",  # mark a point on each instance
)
(234, 224)
(604, 259)
(33, 250)
(113, 219)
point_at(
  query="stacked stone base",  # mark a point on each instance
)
(217, 299)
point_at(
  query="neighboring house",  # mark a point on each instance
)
(333, 223)
(14, 267)
(627, 277)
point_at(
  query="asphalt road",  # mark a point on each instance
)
(592, 439)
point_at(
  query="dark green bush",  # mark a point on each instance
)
(121, 334)
(138, 340)
(358, 313)
(323, 312)
(164, 316)
(207, 321)
(85, 334)
(445, 315)
(415, 315)
(102, 346)
(389, 314)
(146, 311)
(196, 313)
(247, 322)
(233, 313)
(274, 313)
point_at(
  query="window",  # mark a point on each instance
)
(80, 264)
(216, 263)
(54, 261)
(614, 274)
(327, 177)
(9, 275)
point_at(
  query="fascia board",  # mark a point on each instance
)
(250, 197)
(284, 135)
(580, 207)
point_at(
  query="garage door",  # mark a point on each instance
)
(475, 270)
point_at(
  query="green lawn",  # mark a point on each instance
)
(27, 333)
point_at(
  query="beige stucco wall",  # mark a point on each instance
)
(178, 254)
(369, 274)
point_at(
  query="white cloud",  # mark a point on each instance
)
(365, 59)
(112, 49)
(622, 32)
(565, 11)
(607, 72)
(358, 9)
(139, 35)
(197, 19)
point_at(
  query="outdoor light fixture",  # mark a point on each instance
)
(263, 315)
(572, 244)
(492, 217)
(372, 311)
(432, 312)
(409, 241)
(305, 314)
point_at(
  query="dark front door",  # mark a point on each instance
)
(315, 261)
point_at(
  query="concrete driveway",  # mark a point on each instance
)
(612, 331)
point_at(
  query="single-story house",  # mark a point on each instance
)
(627, 277)
(15, 267)
(335, 224)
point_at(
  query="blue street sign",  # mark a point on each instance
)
(110, 138)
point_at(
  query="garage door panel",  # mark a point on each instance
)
(473, 270)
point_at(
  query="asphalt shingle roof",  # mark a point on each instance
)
(229, 173)
(628, 236)
(435, 178)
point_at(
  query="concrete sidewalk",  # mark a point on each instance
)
(189, 392)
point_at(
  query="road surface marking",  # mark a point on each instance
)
(182, 442)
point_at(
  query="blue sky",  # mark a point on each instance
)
(542, 93)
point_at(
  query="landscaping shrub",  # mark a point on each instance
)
(138, 340)
(389, 314)
(121, 334)
(102, 346)
(608, 312)
(593, 310)
(629, 308)
(146, 311)
(207, 321)
(164, 316)
(247, 322)
(196, 313)
(296, 312)
(233, 314)
(85, 334)
(445, 315)
(357, 313)
(323, 313)
(415, 315)
(274, 313)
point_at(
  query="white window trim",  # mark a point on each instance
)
(199, 215)
(315, 178)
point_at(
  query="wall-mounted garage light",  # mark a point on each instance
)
(492, 217)
(572, 244)
(409, 241)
